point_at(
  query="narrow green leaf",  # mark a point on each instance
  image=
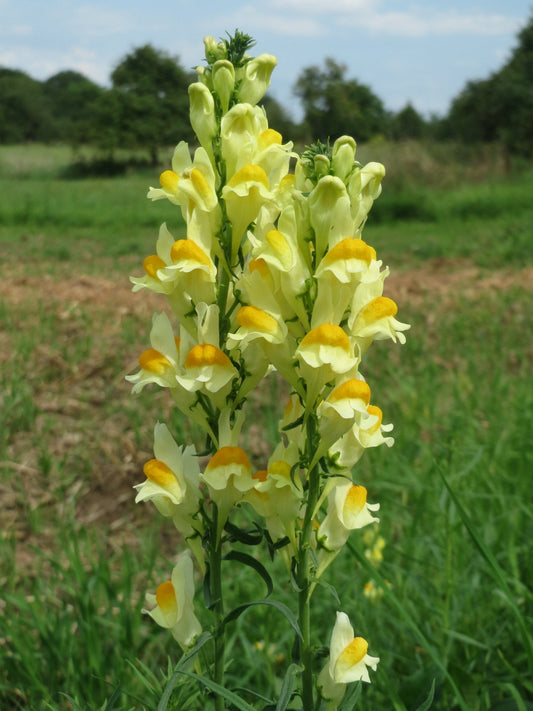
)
(171, 684)
(287, 686)
(220, 690)
(249, 538)
(288, 614)
(429, 700)
(253, 563)
(351, 697)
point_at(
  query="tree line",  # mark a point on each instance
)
(147, 106)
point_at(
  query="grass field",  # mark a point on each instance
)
(77, 555)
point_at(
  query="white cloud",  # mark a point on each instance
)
(417, 21)
(436, 23)
(42, 64)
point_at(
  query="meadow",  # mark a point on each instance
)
(450, 607)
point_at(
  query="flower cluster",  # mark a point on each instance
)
(272, 274)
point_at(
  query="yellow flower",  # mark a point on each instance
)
(277, 496)
(240, 129)
(159, 364)
(346, 264)
(345, 406)
(209, 370)
(228, 476)
(348, 661)
(182, 270)
(173, 602)
(172, 480)
(364, 186)
(190, 183)
(256, 78)
(245, 193)
(276, 255)
(324, 352)
(368, 433)
(347, 510)
(375, 321)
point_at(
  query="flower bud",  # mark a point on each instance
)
(202, 113)
(329, 211)
(322, 165)
(214, 50)
(224, 81)
(343, 156)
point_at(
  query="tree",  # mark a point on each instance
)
(334, 106)
(25, 112)
(407, 123)
(279, 119)
(152, 91)
(499, 108)
(72, 97)
(472, 115)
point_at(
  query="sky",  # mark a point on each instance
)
(422, 52)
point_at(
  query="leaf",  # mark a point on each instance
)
(425, 705)
(253, 563)
(288, 614)
(350, 699)
(171, 684)
(249, 538)
(220, 690)
(287, 686)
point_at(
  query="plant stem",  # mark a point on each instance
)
(304, 575)
(218, 608)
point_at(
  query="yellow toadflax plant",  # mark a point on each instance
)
(273, 274)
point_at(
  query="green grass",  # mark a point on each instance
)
(76, 554)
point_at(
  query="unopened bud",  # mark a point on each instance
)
(343, 156)
(224, 81)
(202, 113)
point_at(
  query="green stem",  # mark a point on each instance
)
(215, 560)
(304, 574)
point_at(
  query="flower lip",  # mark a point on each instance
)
(188, 249)
(206, 354)
(355, 500)
(154, 361)
(353, 389)
(165, 596)
(350, 248)
(249, 173)
(352, 654)
(158, 472)
(228, 456)
(151, 264)
(169, 180)
(378, 308)
(252, 317)
(327, 334)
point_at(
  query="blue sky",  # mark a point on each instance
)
(422, 51)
